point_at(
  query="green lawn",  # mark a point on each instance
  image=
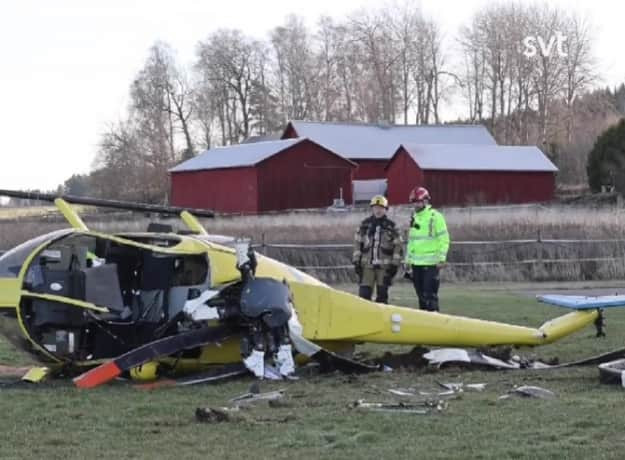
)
(54, 420)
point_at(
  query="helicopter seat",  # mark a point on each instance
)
(102, 287)
(69, 257)
(59, 283)
(156, 279)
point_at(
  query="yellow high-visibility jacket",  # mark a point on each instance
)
(428, 239)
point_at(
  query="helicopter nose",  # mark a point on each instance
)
(10, 289)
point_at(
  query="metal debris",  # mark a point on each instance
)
(398, 392)
(449, 394)
(442, 356)
(36, 374)
(530, 391)
(420, 408)
(460, 387)
(250, 398)
(477, 386)
(613, 372)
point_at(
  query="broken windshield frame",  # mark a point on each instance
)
(11, 261)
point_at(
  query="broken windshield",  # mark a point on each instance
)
(11, 261)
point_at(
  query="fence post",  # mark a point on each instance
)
(262, 243)
(539, 249)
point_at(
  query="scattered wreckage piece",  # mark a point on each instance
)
(442, 356)
(596, 359)
(530, 391)
(233, 412)
(33, 374)
(613, 372)
(459, 387)
(420, 408)
(449, 394)
(400, 392)
(418, 396)
(251, 398)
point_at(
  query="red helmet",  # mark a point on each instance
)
(418, 194)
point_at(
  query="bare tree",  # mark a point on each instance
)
(205, 109)
(474, 74)
(405, 27)
(549, 73)
(579, 65)
(328, 39)
(296, 70)
(161, 97)
(264, 103)
(373, 34)
(228, 62)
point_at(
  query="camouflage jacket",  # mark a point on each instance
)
(377, 242)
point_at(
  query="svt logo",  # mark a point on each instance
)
(546, 49)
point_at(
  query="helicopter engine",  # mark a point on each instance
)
(260, 307)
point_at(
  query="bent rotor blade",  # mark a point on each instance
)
(213, 375)
(162, 347)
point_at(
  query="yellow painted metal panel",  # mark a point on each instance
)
(10, 292)
(192, 223)
(72, 216)
(328, 314)
(36, 374)
(567, 324)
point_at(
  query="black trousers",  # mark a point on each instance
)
(381, 293)
(426, 282)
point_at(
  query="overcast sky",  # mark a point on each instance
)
(67, 64)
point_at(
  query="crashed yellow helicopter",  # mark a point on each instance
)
(83, 300)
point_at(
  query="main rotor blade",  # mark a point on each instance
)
(101, 202)
(152, 350)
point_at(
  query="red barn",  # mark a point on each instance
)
(262, 176)
(471, 174)
(372, 145)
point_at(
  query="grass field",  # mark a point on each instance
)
(32, 211)
(54, 420)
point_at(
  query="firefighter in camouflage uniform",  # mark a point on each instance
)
(377, 252)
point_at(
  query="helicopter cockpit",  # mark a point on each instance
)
(69, 281)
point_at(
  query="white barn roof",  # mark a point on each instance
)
(480, 157)
(379, 141)
(234, 156)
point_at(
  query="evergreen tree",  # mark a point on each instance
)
(619, 96)
(606, 161)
